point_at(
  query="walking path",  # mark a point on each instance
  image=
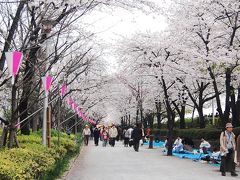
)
(121, 163)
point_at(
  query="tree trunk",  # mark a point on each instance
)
(129, 120)
(227, 98)
(27, 87)
(158, 107)
(141, 113)
(238, 106)
(201, 117)
(170, 115)
(181, 113)
(235, 107)
(12, 126)
(151, 119)
(182, 117)
(3, 140)
(170, 126)
(137, 113)
(193, 112)
(219, 106)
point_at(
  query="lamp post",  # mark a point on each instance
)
(47, 27)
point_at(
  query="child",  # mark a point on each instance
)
(105, 137)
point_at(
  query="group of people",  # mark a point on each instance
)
(129, 136)
(105, 134)
(229, 149)
(228, 156)
(108, 135)
(133, 135)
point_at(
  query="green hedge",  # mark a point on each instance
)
(207, 133)
(34, 161)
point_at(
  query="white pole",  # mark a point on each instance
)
(45, 106)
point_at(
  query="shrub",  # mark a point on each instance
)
(34, 161)
(207, 133)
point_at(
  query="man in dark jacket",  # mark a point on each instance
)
(96, 134)
(137, 136)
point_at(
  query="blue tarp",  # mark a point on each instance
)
(190, 156)
(193, 157)
(180, 155)
(159, 144)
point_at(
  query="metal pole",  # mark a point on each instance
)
(45, 106)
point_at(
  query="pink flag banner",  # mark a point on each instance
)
(74, 106)
(14, 60)
(79, 111)
(84, 117)
(63, 90)
(70, 101)
(81, 114)
(47, 81)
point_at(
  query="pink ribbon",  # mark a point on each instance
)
(63, 89)
(47, 81)
(14, 60)
(70, 101)
(74, 106)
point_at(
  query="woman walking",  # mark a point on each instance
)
(105, 137)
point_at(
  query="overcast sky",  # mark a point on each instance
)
(112, 25)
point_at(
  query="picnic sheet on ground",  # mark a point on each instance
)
(192, 157)
(180, 155)
(155, 144)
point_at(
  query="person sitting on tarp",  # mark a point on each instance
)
(178, 148)
(177, 142)
(204, 146)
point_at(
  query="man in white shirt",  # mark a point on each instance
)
(113, 132)
(204, 146)
(86, 134)
(177, 142)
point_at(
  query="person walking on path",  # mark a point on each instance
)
(137, 136)
(113, 132)
(227, 149)
(96, 134)
(128, 136)
(86, 134)
(143, 136)
(105, 137)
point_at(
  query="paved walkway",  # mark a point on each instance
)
(121, 163)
